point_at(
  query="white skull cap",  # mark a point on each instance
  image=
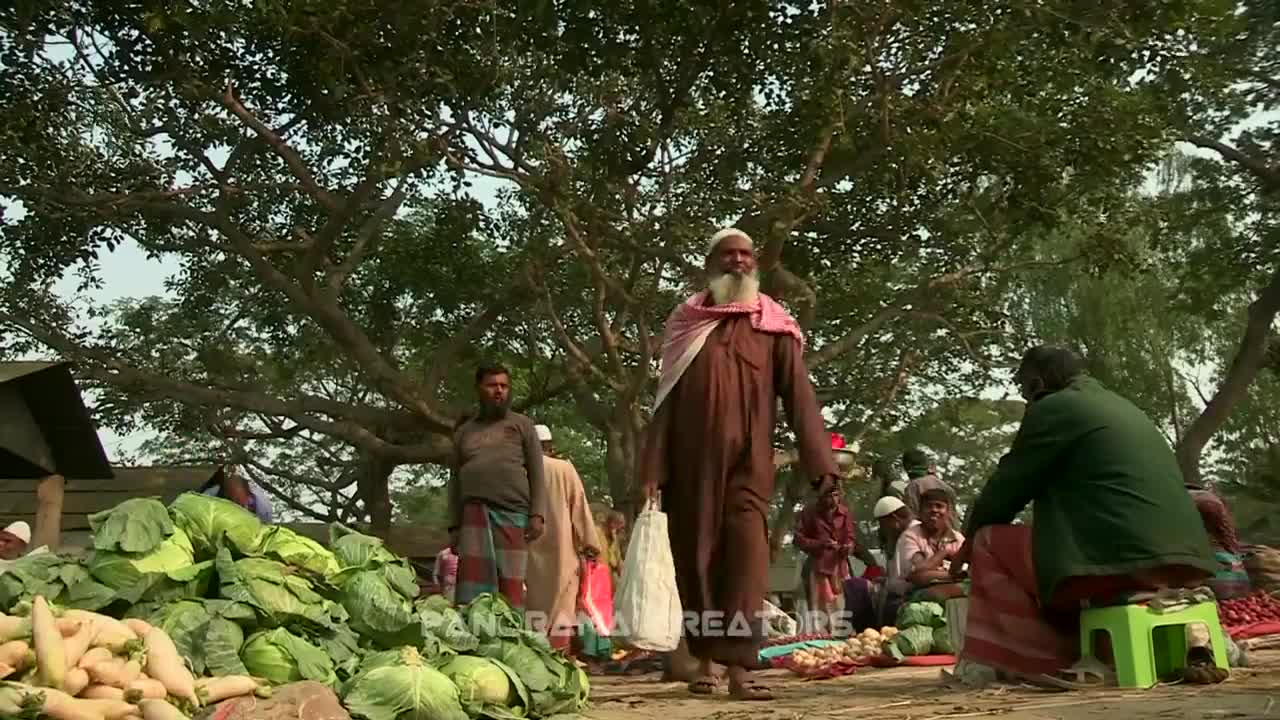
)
(727, 232)
(887, 506)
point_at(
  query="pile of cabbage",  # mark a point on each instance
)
(922, 630)
(242, 598)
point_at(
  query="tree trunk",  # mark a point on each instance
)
(622, 446)
(374, 488)
(793, 487)
(1249, 359)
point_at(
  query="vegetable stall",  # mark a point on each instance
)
(177, 608)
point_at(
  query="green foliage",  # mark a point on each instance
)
(363, 200)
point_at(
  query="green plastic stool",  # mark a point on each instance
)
(1148, 644)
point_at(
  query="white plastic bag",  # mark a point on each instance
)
(647, 606)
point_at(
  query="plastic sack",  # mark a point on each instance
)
(595, 596)
(647, 607)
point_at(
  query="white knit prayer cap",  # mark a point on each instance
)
(20, 530)
(727, 232)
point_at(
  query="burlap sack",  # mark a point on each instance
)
(1263, 565)
(295, 701)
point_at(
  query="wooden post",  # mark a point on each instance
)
(48, 530)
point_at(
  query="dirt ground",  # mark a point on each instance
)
(1252, 693)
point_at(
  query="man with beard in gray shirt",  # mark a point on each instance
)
(496, 485)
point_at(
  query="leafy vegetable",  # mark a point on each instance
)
(554, 684)
(440, 620)
(353, 549)
(60, 579)
(206, 631)
(942, 641)
(293, 549)
(487, 687)
(378, 610)
(282, 657)
(118, 569)
(273, 589)
(920, 613)
(398, 684)
(490, 616)
(915, 640)
(212, 521)
(133, 526)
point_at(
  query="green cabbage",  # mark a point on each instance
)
(280, 596)
(210, 521)
(490, 616)
(353, 549)
(399, 685)
(929, 614)
(282, 657)
(377, 589)
(555, 684)
(915, 640)
(440, 620)
(299, 551)
(133, 526)
(121, 570)
(487, 687)
(378, 610)
(60, 579)
(207, 632)
(942, 641)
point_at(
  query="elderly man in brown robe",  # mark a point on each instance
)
(728, 354)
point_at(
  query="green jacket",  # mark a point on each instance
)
(1107, 492)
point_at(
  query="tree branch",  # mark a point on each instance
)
(1268, 175)
(291, 157)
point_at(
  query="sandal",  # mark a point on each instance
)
(1201, 669)
(704, 686)
(1087, 674)
(750, 690)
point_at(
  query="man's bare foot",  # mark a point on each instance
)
(744, 686)
(706, 682)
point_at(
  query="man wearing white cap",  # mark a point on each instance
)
(728, 354)
(569, 533)
(14, 540)
(874, 604)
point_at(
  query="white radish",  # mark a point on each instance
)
(160, 710)
(75, 681)
(94, 656)
(149, 688)
(212, 690)
(77, 645)
(51, 656)
(139, 627)
(166, 665)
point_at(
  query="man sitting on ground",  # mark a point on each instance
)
(926, 549)
(874, 604)
(1111, 517)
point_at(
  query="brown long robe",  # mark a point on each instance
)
(552, 575)
(709, 448)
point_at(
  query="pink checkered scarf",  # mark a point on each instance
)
(693, 320)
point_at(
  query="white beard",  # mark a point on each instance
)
(727, 288)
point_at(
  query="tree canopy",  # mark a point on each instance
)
(364, 199)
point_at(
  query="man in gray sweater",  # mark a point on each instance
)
(497, 483)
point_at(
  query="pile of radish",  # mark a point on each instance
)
(86, 666)
(1256, 608)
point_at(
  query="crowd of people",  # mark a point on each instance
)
(1110, 513)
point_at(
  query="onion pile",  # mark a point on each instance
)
(1256, 608)
(868, 643)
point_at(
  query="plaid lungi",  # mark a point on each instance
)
(492, 554)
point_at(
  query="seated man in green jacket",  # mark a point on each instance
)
(1111, 518)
